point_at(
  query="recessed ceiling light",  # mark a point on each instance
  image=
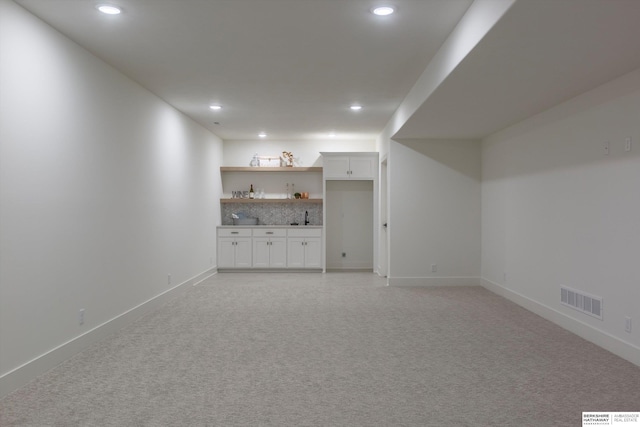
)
(332, 135)
(108, 9)
(356, 107)
(262, 135)
(215, 107)
(383, 10)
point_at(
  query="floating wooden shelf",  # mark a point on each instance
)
(270, 200)
(265, 169)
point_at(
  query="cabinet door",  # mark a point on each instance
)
(335, 167)
(260, 252)
(295, 252)
(312, 253)
(226, 252)
(361, 167)
(278, 253)
(243, 252)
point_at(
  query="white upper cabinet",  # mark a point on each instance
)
(362, 167)
(335, 167)
(343, 166)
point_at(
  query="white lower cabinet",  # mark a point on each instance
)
(304, 248)
(234, 248)
(264, 248)
(269, 248)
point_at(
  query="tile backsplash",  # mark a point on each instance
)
(274, 213)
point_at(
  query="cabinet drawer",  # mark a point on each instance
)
(304, 232)
(269, 232)
(234, 232)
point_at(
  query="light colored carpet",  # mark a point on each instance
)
(339, 349)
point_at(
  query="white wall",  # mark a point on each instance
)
(556, 210)
(349, 227)
(446, 232)
(105, 190)
(434, 212)
(306, 153)
(477, 21)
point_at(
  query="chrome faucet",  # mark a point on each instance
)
(306, 217)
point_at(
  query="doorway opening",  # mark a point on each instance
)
(349, 225)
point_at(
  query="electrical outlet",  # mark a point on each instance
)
(81, 317)
(168, 279)
(627, 144)
(434, 268)
(605, 145)
(627, 324)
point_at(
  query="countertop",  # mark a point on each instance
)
(270, 226)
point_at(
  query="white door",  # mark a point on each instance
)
(278, 253)
(260, 252)
(295, 252)
(243, 253)
(361, 167)
(383, 266)
(226, 253)
(312, 253)
(335, 167)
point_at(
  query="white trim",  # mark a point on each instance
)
(603, 339)
(433, 281)
(27, 372)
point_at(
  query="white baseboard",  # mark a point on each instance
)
(351, 266)
(433, 281)
(603, 339)
(27, 372)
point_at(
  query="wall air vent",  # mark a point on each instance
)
(578, 300)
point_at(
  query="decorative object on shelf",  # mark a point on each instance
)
(251, 193)
(257, 201)
(288, 155)
(261, 169)
(297, 195)
(269, 161)
(255, 162)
